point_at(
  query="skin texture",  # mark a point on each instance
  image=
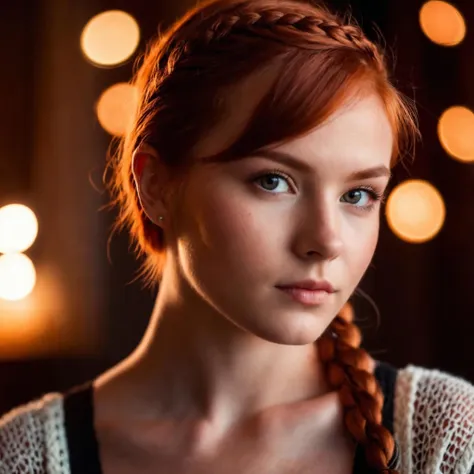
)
(227, 356)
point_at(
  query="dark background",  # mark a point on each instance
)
(52, 154)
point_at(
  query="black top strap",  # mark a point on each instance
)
(386, 375)
(81, 438)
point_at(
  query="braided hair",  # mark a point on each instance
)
(349, 370)
(316, 60)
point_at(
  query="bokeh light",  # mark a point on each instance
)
(415, 211)
(442, 23)
(17, 276)
(116, 108)
(110, 38)
(38, 325)
(18, 228)
(456, 133)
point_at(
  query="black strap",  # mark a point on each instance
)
(79, 423)
(386, 375)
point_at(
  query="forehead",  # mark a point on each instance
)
(358, 133)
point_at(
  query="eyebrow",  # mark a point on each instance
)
(290, 160)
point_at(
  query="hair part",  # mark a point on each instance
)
(214, 49)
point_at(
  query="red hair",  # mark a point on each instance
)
(317, 60)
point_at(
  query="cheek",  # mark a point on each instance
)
(236, 234)
(360, 248)
(230, 238)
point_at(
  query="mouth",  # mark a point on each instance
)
(309, 284)
(305, 296)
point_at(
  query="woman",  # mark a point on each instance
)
(251, 362)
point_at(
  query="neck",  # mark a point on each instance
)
(198, 364)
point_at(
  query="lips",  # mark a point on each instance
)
(305, 296)
(311, 285)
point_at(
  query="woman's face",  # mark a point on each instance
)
(306, 210)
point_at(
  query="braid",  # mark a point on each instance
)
(275, 24)
(349, 370)
(306, 31)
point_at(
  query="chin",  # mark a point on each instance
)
(294, 333)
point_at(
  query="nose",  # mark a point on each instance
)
(319, 234)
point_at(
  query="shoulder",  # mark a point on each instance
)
(32, 437)
(434, 421)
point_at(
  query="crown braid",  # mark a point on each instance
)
(307, 31)
(273, 23)
(349, 370)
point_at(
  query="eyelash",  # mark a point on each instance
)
(374, 194)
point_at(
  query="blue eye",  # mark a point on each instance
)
(270, 181)
(356, 196)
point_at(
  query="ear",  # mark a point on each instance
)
(149, 176)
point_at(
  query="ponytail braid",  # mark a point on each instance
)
(349, 369)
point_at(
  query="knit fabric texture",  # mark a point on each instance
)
(434, 422)
(33, 438)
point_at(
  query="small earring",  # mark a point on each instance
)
(160, 218)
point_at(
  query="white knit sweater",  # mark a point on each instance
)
(433, 424)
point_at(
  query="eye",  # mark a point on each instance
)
(270, 181)
(364, 197)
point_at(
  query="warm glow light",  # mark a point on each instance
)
(110, 38)
(38, 325)
(442, 23)
(18, 228)
(456, 133)
(415, 211)
(116, 108)
(17, 276)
